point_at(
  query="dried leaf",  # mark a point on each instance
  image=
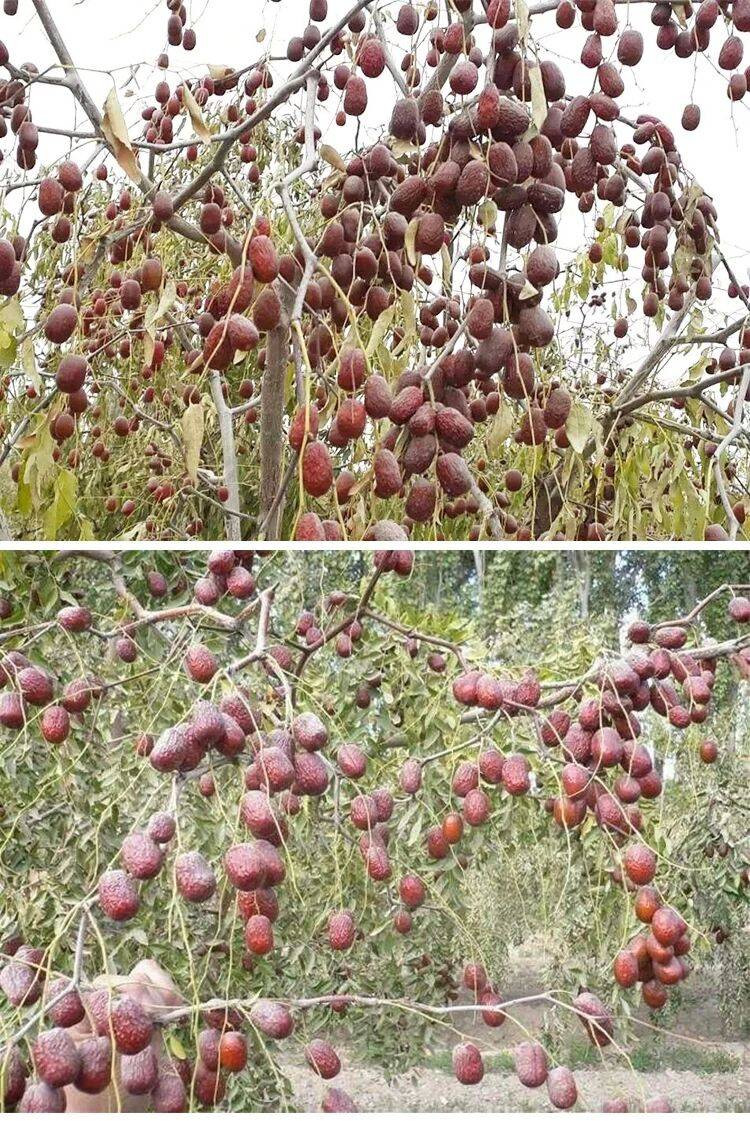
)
(538, 97)
(579, 426)
(447, 263)
(218, 71)
(502, 426)
(192, 425)
(522, 19)
(200, 127)
(331, 156)
(379, 328)
(410, 238)
(116, 134)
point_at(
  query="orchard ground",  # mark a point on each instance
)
(706, 1070)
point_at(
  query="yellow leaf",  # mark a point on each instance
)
(154, 314)
(404, 148)
(538, 97)
(28, 361)
(409, 315)
(219, 71)
(522, 18)
(379, 328)
(487, 213)
(176, 1048)
(447, 263)
(502, 426)
(11, 315)
(410, 238)
(579, 426)
(39, 464)
(157, 312)
(328, 153)
(63, 505)
(116, 134)
(192, 425)
(194, 111)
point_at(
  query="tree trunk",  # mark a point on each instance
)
(582, 566)
(271, 431)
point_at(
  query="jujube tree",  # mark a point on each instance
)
(218, 324)
(306, 818)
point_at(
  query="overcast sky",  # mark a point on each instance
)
(107, 38)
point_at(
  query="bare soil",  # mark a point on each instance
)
(434, 1091)
(686, 1074)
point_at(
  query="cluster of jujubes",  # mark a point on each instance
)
(586, 738)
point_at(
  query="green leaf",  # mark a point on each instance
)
(39, 464)
(11, 315)
(8, 350)
(63, 505)
(175, 1046)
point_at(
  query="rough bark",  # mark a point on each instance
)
(271, 431)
